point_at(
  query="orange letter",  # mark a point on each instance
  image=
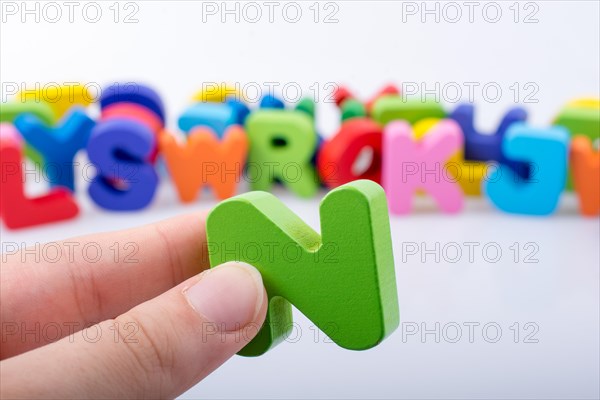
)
(205, 160)
(585, 164)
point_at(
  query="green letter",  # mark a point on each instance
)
(282, 143)
(343, 281)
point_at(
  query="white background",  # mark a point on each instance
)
(174, 50)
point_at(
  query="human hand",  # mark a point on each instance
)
(153, 327)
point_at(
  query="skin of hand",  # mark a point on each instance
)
(83, 325)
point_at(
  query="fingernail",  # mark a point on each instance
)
(230, 295)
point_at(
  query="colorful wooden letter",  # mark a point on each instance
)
(134, 112)
(353, 109)
(339, 154)
(126, 179)
(217, 93)
(342, 95)
(138, 113)
(60, 98)
(133, 93)
(307, 105)
(547, 150)
(343, 280)
(9, 133)
(385, 91)
(410, 165)
(468, 174)
(282, 143)
(16, 209)
(585, 166)
(216, 116)
(270, 101)
(391, 107)
(58, 145)
(10, 111)
(486, 147)
(206, 160)
(580, 117)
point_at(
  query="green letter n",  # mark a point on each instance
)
(343, 281)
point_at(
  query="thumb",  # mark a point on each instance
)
(158, 349)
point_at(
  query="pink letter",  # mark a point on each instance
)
(409, 165)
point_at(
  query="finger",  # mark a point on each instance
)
(180, 337)
(46, 294)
